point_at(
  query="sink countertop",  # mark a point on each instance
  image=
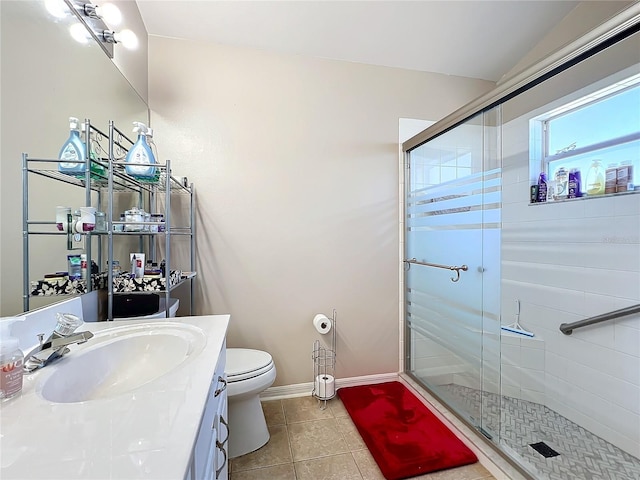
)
(146, 433)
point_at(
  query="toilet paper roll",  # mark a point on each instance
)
(322, 324)
(325, 386)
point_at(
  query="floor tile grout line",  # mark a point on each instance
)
(357, 466)
(335, 408)
(295, 474)
(347, 444)
(335, 419)
(293, 464)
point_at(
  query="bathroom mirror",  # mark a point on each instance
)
(47, 77)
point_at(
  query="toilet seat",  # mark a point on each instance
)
(245, 363)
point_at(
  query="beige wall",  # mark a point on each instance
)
(295, 161)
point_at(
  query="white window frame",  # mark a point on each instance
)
(540, 132)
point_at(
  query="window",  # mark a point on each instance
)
(597, 135)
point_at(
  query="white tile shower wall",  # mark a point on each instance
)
(522, 362)
(470, 379)
(565, 262)
(432, 361)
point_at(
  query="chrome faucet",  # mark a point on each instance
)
(56, 346)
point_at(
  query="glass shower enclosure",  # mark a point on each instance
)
(487, 246)
(452, 265)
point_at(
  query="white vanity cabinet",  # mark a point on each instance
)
(221, 451)
(171, 427)
(210, 452)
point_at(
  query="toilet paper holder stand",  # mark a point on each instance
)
(324, 367)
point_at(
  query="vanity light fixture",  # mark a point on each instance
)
(79, 33)
(107, 12)
(127, 38)
(57, 8)
(95, 19)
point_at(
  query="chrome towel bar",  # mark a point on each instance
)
(568, 328)
(464, 268)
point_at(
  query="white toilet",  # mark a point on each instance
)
(249, 372)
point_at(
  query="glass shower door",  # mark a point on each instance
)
(451, 316)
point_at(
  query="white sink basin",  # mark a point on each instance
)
(118, 360)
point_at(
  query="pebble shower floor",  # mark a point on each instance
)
(583, 455)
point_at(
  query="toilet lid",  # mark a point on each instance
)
(246, 363)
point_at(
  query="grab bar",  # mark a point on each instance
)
(568, 328)
(464, 268)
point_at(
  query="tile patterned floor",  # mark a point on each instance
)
(308, 443)
(583, 455)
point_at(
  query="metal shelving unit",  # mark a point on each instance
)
(106, 187)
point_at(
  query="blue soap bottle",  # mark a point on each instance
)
(73, 152)
(140, 156)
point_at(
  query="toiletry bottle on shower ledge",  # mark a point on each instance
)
(72, 153)
(575, 183)
(562, 182)
(542, 187)
(140, 157)
(596, 180)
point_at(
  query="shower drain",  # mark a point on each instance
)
(544, 449)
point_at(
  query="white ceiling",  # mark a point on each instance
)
(479, 39)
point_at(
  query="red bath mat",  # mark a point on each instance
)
(403, 436)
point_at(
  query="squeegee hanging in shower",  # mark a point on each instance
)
(515, 327)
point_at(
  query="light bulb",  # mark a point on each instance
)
(79, 33)
(110, 14)
(57, 8)
(128, 39)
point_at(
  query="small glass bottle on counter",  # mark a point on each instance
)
(11, 360)
(101, 222)
(119, 227)
(134, 218)
(146, 218)
(158, 219)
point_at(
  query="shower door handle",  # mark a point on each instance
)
(464, 268)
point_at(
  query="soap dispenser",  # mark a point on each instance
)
(596, 181)
(140, 158)
(11, 361)
(73, 154)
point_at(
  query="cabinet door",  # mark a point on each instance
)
(191, 475)
(209, 454)
(222, 438)
(202, 455)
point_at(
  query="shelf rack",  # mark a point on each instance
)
(114, 180)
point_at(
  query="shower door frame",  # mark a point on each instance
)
(618, 27)
(489, 172)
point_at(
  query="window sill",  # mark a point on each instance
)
(587, 197)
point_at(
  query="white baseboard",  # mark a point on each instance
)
(305, 389)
